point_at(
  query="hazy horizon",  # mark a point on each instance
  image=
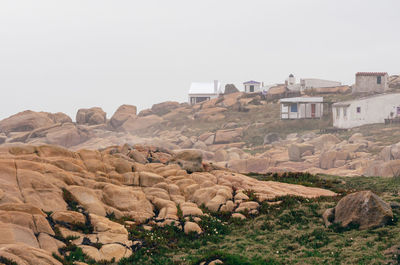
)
(61, 56)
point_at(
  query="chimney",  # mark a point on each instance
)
(215, 86)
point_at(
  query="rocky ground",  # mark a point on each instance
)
(170, 184)
(52, 198)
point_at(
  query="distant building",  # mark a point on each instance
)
(368, 110)
(302, 108)
(371, 82)
(200, 92)
(252, 86)
(309, 83)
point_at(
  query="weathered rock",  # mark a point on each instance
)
(297, 150)
(65, 135)
(230, 88)
(228, 136)
(363, 208)
(189, 160)
(255, 165)
(25, 121)
(164, 107)
(92, 116)
(327, 159)
(122, 114)
(70, 217)
(140, 123)
(270, 138)
(192, 227)
(26, 255)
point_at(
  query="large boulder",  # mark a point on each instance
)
(122, 114)
(324, 141)
(189, 160)
(296, 151)
(141, 123)
(228, 136)
(254, 165)
(25, 121)
(164, 107)
(271, 138)
(230, 89)
(330, 159)
(363, 208)
(65, 135)
(92, 116)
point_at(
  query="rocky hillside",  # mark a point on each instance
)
(53, 200)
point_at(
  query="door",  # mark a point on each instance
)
(312, 110)
(251, 88)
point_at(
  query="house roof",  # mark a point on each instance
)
(303, 100)
(348, 102)
(371, 73)
(251, 82)
(204, 88)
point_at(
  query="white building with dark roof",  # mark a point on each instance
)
(203, 91)
(371, 82)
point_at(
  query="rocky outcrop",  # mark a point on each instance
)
(297, 151)
(140, 123)
(230, 88)
(122, 114)
(92, 116)
(364, 209)
(163, 108)
(228, 136)
(30, 120)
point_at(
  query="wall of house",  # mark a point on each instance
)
(303, 111)
(369, 84)
(211, 96)
(257, 87)
(317, 83)
(372, 110)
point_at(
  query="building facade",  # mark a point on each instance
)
(368, 110)
(371, 82)
(252, 86)
(200, 92)
(310, 83)
(302, 108)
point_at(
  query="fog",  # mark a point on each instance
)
(64, 55)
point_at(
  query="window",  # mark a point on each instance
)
(293, 108)
(358, 109)
(337, 113)
(345, 113)
(251, 88)
(379, 80)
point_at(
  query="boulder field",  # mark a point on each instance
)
(49, 194)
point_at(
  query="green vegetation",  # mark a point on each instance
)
(289, 231)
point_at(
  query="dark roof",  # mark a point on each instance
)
(371, 73)
(291, 75)
(251, 82)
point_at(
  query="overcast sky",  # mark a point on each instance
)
(65, 55)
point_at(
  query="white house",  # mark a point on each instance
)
(302, 108)
(309, 83)
(371, 82)
(252, 86)
(368, 110)
(200, 92)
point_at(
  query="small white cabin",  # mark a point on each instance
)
(368, 110)
(200, 92)
(302, 108)
(371, 82)
(252, 86)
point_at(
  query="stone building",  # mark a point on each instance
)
(371, 82)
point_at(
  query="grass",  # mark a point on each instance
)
(291, 232)
(288, 233)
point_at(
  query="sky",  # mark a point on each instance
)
(59, 56)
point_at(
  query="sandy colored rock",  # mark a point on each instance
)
(69, 217)
(228, 136)
(26, 255)
(25, 121)
(88, 199)
(296, 151)
(140, 123)
(122, 114)
(363, 208)
(92, 116)
(192, 227)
